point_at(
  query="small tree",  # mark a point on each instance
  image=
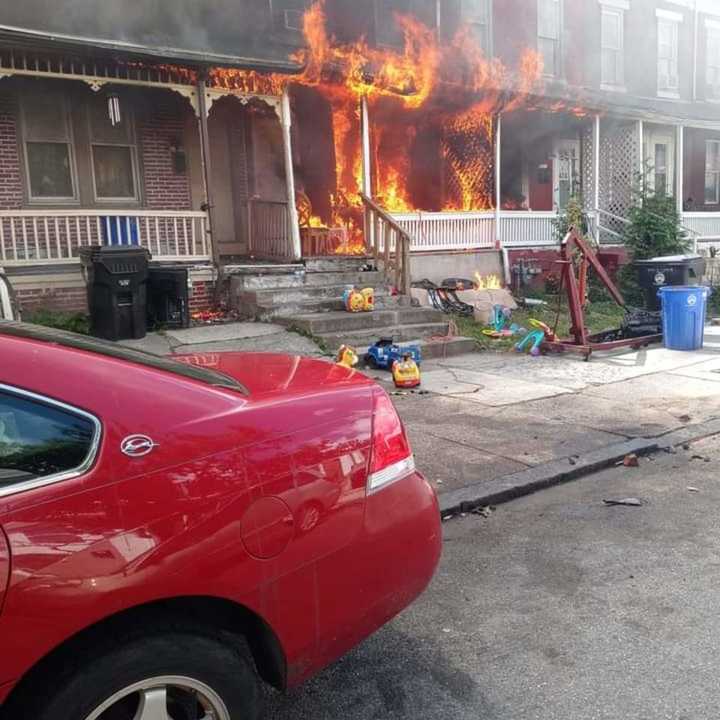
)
(654, 229)
(572, 216)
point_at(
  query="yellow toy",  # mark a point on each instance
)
(347, 357)
(406, 373)
(359, 300)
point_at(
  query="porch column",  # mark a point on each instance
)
(641, 152)
(286, 122)
(365, 120)
(498, 201)
(203, 111)
(680, 168)
(596, 175)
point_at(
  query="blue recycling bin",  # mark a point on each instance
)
(683, 315)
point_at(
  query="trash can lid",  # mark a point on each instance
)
(683, 288)
(664, 259)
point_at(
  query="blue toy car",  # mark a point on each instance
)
(385, 352)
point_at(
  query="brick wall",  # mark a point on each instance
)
(11, 190)
(201, 297)
(158, 130)
(66, 300)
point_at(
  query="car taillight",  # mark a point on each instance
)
(391, 458)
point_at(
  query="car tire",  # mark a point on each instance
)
(197, 671)
(371, 362)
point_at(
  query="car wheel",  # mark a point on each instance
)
(174, 676)
(372, 362)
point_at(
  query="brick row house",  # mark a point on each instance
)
(165, 126)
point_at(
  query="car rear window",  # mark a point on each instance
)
(113, 350)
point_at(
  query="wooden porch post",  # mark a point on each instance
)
(286, 122)
(680, 169)
(208, 206)
(365, 119)
(596, 175)
(498, 201)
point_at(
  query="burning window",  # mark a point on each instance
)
(668, 34)
(48, 146)
(613, 50)
(712, 172)
(549, 34)
(713, 61)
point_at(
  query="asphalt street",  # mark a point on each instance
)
(556, 607)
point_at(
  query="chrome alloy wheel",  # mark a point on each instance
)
(167, 697)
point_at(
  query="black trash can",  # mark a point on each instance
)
(672, 270)
(168, 302)
(117, 290)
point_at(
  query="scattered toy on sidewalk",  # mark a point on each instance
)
(532, 340)
(347, 357)
(405, 372)
(385, 352)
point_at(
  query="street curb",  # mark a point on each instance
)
(526, 482)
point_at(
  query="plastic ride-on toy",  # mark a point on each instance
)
(385, 352)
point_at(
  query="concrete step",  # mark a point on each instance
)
(301, 278)
(368, 336)
(375, 322)
(336, 264)
(433, 350)
(279, 311)
(304, 294)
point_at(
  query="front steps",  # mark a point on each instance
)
(308, 298)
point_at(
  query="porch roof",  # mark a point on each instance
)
(194, 32)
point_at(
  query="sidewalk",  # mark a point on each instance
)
(488, 423)
(492, 416)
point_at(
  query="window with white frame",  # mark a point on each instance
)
(550, 36)
(478, 15)
(113, 152)
(288, 14)
(612, 30)
(712, 53)
(48, 147)
(668, 34)
(712, 172)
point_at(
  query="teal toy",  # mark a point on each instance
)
(501, 317)
(532, 340)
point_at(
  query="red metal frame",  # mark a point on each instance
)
(575, 287)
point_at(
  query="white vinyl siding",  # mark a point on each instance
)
(613, 46)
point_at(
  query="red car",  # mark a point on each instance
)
(172, 530)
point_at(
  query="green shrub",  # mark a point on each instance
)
(72, 322)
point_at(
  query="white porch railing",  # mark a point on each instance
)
(43, 237)
(706, 225)
(519, 228)
(448, 230)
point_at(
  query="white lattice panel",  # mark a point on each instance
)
(588, 169)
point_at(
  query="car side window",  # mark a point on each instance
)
(41, 439)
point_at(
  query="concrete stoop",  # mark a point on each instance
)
(308, 298)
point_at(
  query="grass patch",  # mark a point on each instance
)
(72, 322)
(599, 316)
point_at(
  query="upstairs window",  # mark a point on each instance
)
(668, 27)
(478, 15)
(288, 15)
(712, 73)
(114, 157)
(48, 145)
(712, 172)
(612, 46)
(549, 36)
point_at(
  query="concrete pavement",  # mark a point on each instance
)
(555, 607)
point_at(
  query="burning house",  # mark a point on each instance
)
(442, 136)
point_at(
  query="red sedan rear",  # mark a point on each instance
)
(171, 530)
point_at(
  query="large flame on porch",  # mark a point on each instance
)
(426, 99)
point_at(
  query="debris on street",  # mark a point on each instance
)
(629, 502)
(631, 460)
